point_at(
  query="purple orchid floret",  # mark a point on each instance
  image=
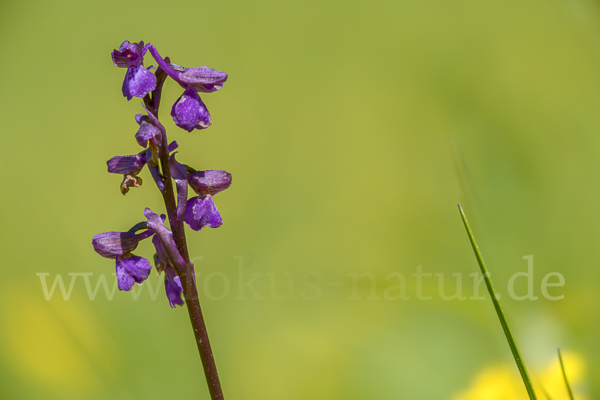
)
(130, 166)
(189, 111)
(147, 131)
(119, 245)
(134, 163)
(139, 81)
(201, 211)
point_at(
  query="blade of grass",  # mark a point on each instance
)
(562, 367)
(512, 343)
(546, 394)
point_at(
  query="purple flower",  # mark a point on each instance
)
(133, 164)
(201, 210)
(189, 112)
(138, 81)
(147, 131)
(119, 245)
(130, 166)
(173, 287)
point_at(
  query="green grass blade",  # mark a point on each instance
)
(546, 394)
(512, 343)
(562, 367)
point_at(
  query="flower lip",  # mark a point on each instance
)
(201, 212)
(173, 287)
(132, 269)
(189, 111)
(209, 182)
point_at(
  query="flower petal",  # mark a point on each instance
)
(113, 244)
(132, 269)
(188, 218)
(189, 112)
(138, 82)
(128, 54)
(204, 79)
(209, 182)
(131, 164)
(203, 213)
(173, 287)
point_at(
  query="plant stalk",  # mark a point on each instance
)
(187, 276)
(512, 343)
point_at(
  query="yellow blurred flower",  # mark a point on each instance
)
(503, 382)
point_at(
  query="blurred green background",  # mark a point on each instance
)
(352, 129)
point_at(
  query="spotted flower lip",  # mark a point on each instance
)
(132, 269)
(201, 212)
(189, 111)
(209, 182)
(139, 81)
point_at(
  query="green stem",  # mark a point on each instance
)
(512, 343)
(564, 374)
